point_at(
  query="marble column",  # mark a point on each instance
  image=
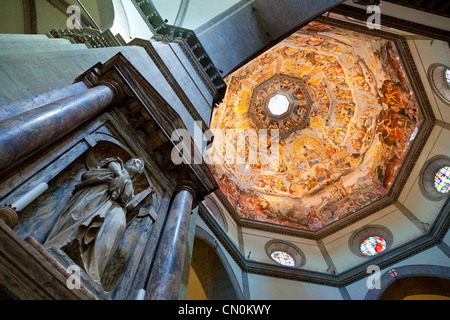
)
(166, 274)
(27, 133)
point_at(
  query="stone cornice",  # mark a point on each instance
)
(157, 60)
(425, 241)
(393, 22)
(139, 96)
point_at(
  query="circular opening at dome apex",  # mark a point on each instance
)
(278, 104)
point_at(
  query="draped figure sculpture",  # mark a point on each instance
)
(92, 223)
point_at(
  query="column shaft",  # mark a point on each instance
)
(25, 134)
(165, 278)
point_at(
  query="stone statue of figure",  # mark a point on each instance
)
(92, 223)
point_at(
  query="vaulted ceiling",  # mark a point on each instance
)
(352, 118)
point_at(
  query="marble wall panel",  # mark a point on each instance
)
(38, 218)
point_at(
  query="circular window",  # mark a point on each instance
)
(442, 180)
(370, 240)
(439, 77)
(434, 179)
(373, 245)
(278, 104)
(283, 258)
(285, 253)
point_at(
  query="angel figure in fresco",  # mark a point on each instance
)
(94, 219)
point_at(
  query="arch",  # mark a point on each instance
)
(412, 280)
(216, 211)
(437, 77)
(213, 269)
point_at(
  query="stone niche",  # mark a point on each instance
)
(38, 218)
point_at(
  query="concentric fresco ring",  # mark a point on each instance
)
(351, 121)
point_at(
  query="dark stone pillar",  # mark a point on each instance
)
(27, 133)
(165, 277)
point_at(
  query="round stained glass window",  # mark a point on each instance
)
(447, 76)
(283, 258)
(373, 245)
(442, 180)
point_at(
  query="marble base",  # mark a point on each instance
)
(29, 272)
(62, 261)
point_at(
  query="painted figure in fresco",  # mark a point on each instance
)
(93, 221)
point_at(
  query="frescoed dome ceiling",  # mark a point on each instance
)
(345, 114)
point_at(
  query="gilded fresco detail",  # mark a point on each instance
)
(363, 116)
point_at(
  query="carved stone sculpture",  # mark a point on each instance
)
(93, 221)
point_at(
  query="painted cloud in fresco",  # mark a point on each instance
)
(362, 120)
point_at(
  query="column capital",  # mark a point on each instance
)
(187, 185)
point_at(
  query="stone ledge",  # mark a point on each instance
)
(29, 272)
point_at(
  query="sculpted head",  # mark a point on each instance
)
(134, 166)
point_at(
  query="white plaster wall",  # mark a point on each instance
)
(48, 17)
(337, 244)
(11, 17)
(411, 196)
(269, 288)
(426, 52)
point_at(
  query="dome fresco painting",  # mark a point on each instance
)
(362, 119)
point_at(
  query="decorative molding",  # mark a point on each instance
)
(148, 109)
(393, 22)
(214, 208)
(167, 33)
(189, 54)
(386, 280)
(298, 110)
(158, 61)
(427, 240)
(326, 256)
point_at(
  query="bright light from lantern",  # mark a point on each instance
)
(278, 104)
